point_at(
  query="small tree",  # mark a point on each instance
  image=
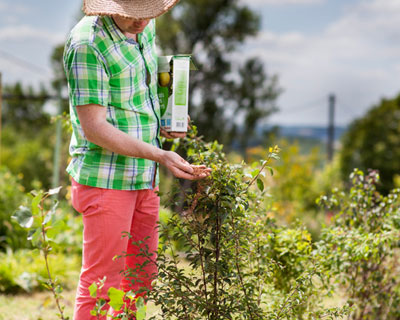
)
(361, 249)
(373, 142)
(241, 265)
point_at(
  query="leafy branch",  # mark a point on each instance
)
(42, 225)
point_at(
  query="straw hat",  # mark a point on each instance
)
(135, 9)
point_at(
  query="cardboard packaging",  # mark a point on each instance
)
(173, 91)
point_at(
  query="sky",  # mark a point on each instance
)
(349, 48)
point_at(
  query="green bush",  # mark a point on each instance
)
(30, 154)
(361, 249)
(373, 141)
(242, 265)
(25, 271)
(11, 196)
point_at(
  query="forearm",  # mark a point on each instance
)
(98, 131)
(103, 134)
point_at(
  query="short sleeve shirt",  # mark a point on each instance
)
(105, 67)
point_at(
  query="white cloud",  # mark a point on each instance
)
(282, 2)
(356, 57)
(15, 8)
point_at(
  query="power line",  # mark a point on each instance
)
(306, 106)
(23, 63)
(345, 107)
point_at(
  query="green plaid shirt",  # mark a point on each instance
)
(105, 67)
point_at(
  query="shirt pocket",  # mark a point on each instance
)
(128, 88)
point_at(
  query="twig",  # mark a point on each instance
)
(258, 174)
(238, 267)
(45, 253)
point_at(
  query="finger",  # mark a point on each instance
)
(202, 167)
(166, 134)
(178, 134)
(185, 166)
(183, 174)
(201, 176)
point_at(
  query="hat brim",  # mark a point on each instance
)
(138, 10)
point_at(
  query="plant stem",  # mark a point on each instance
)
(217, 249)
(45, 251)
(203, 271)
(237, 254)
(258, 174)
(259, 274)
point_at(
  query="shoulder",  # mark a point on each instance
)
(87, 37)
(89, 31)
(84, 31)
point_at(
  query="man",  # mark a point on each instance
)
(111, 68)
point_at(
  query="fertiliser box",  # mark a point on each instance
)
(173, 91)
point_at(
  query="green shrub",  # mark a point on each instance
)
(241, 264)
(11, 196)
(25, 271)
(361, 249)
(30, 154)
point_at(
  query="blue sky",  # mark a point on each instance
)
(316, 47)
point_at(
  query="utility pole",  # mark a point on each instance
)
(331, 126)
(57, 147)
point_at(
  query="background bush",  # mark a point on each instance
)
(12, 194)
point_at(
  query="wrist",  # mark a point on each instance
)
(160, 156)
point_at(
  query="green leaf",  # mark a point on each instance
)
(93, 290)
(260, 184)
(53, 208)
(116, 298)
(23, 215)
(35, 203)
(47, 217)
(130, 294)
(55, 229)
(34, 236)
(50, 214)
(141, 309)
(255, 172)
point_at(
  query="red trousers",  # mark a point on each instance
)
(107, 216)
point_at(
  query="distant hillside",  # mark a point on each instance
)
(308, 136)
(311, 132)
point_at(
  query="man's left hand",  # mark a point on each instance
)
(174, 134)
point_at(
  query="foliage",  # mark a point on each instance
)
(11, 195)
(118, 300)
(211, 30)
(43, 226)
(23, 271)
(23, 112)
(242, 265)
(373, 142)
(299, 179)
(31, 155)
(361, 249)
(292, 184)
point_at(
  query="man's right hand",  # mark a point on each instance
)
(180, 168)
